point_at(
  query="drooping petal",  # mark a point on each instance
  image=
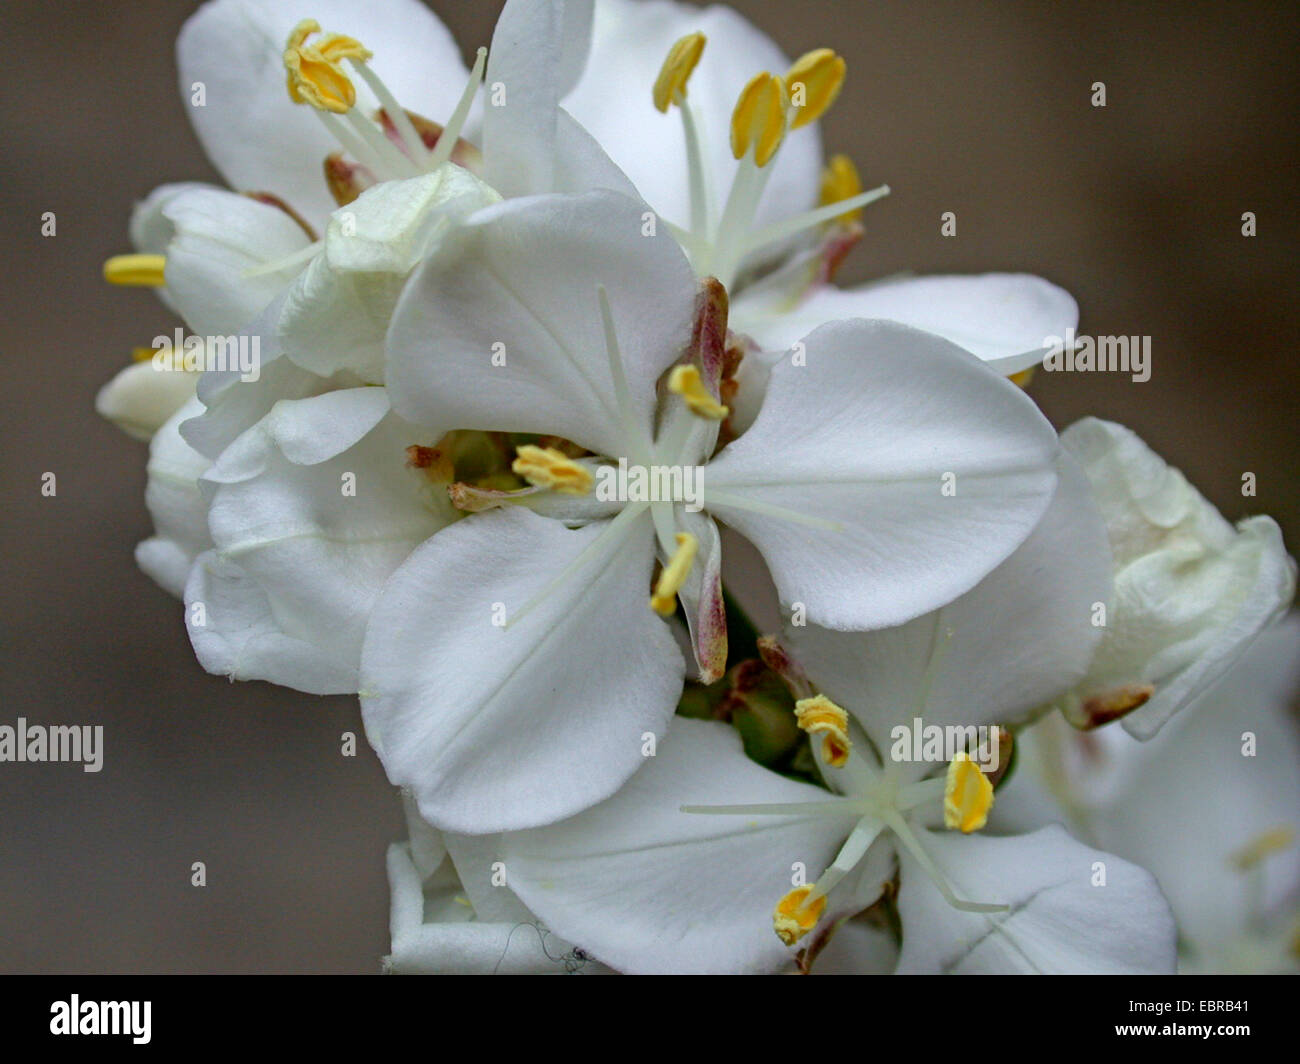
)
(496, 725)
(502, 329)
(254, 134)
(1191, 592)
(1011, 644)
(650, 889)
(613, 101)
(1062, 920)
(178, 509)
(315, 533)
(887, 473)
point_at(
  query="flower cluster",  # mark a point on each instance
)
(491, 367)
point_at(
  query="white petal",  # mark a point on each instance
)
(1020, 637)
(865, 436)
(650, 889)
(1191, 593)
(496, 726)
(236, 634)
(141, 397)
(219, 237)
(518, 284)
(537, 54)
(613, 101)
(178, 509)
(1059, 922)
(254, 134)
(994, 316)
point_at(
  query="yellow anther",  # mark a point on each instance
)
(545, 467)
(315, 71)
(687, 382)
(144, 270)
(840, 181)
(670, 85)
(794, 916)
(813, 82)
(1263, 845)
(664, 599)
(1022, 379)
(967, 795)
(759, 118)
(143, 354)
(820, 716)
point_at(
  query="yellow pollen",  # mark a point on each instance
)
(143, 354)
(670, 85)
(1263, 845)
(794, 916)
(840, 181)
(820, 73)
(759, 118)
(664, 599)
(1022, 379)
(820, 716)
(686, 382)
(315, 71)
(545, 467)
(967, 796)
(140, 270)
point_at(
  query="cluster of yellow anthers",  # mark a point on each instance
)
(769, 106)
(967, 800)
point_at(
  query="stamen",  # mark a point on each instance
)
(744, 502)
(967, 795)
(758, 121)
(814, 82)
(136, 270)
(794, 915)
(788, 227)
(1275, 840)
(686, 382)
(909, 839)
(545, 467)
(451, 131)
(840, 182)
(315, 71)
(670, 85)
(664, 599)
(820, 716)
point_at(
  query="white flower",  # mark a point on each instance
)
(648, 883)
(839, 483)
(1191, 592)
(442, 926)
(1211, 806)
(380, 183)
(759, 212)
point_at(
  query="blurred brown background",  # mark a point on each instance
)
(971, 106)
